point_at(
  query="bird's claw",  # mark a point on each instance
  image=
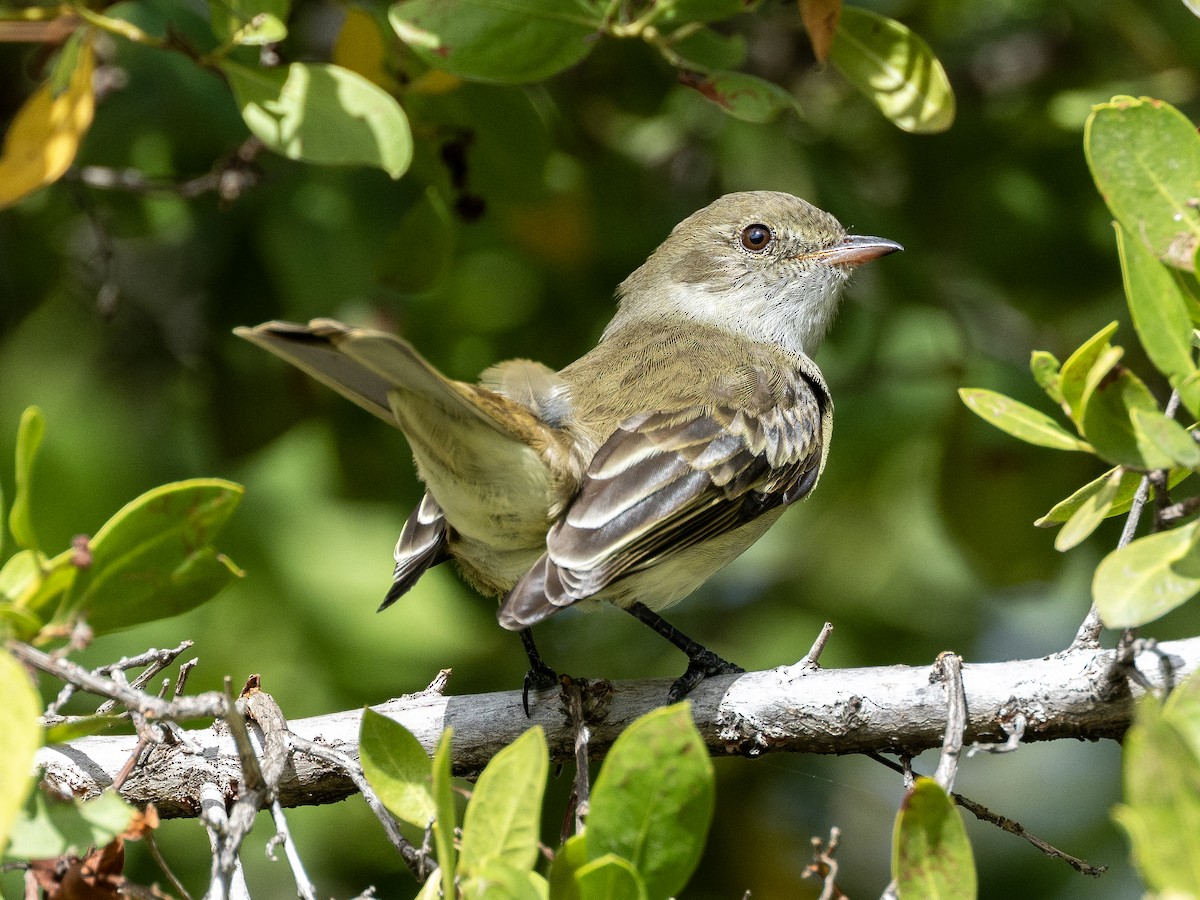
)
(539, 678)
(702, 665)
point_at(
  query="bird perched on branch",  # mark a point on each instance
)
(639, 470)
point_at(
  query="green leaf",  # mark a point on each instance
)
(570, 858)
(1074, 372)
(45, 828)
(1148, 577)
(153, 560)
(609, 878)
(681, 12)
(1145, 158)
(1167, 437)
(398, 768)
(745, 97)
(84, 727)
(1108, 421)
(653, 800)
(1045, 368)
(29, 439)
(1021, 421)
(443, 822)
(1159, 310)
(36, 585)
(931, 857)
(895, 69)
(1161, 813)
(503, 818)
(502, 41)
(705, 50)
(20, 737)
(324, 114)
(1064, 509)
(250, 22)
(1090, 514)
(1101, 369)
(499, 881)
(1182, 709)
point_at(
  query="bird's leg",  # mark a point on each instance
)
(540, 676)
(702, 662)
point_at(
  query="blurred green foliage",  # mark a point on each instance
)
(523, 208)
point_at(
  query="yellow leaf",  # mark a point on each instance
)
(820, 19)
(361, 48)
(45, 134)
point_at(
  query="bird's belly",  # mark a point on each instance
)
(665, 583)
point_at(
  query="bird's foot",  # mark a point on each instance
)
(700, 666)
(539, 678)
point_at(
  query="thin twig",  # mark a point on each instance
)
(811, 659)
(415, 859)
(949, 669)
(156, 855)
(582, 790)
(984, 814)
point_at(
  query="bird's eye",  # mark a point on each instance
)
(756, 237)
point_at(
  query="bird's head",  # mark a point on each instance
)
(761, 263)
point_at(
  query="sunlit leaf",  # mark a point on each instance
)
(29, 438)
(502, 820)
(250, 22)
(895, 69)
(1074, 372)
(444, 821)
(1158, 430)
(153, 558)
(570, 858)
(20, 737)
(745, 97)
(398, 768)
(609, 878)
(1145, 157)
(498, 881)
(1160, 313)
(931, 856)
(48, 828)
(504, 41)
(1130, 480)
(1045, 368)
(1148, 577)
(1109, 426)
(1021, 421)
(42, 140)
(322, 114)
(1090, 514)
(653, 800)
(1161, 813)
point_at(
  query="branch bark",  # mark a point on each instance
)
(896, 709)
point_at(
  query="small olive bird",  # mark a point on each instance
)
(643, 467)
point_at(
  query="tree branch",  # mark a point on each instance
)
(896, 709)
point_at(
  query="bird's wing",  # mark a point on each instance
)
(462, 435)
(422, 545)
(664, 482)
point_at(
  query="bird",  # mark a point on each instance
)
(635, 473)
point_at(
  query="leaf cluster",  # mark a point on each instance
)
(1145, 158)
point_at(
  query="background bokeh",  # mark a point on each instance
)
(115, 318)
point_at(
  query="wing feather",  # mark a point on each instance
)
(667, 481)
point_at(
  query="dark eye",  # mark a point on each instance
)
(756, 237)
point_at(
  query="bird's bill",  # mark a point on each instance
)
(856, 249)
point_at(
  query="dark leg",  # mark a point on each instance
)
(540, 676)
(702, 662)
